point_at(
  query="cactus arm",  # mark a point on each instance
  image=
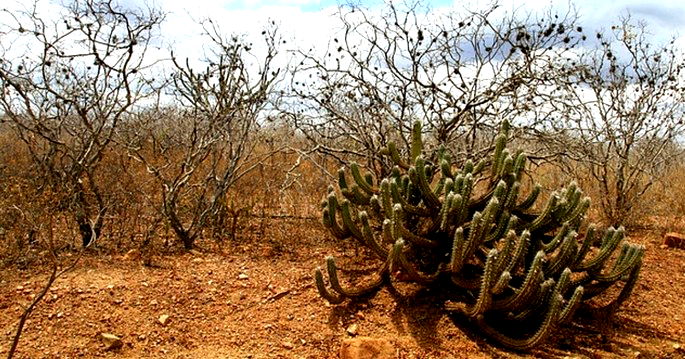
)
(502, 283)
(360, 180)
(572, 305)
(484, 300)
(323, 291)
(633, 255)
(519, 165)
(564, 257)
(540, 300)
(331, 222)
(557, 239)
(401, 231)
(369, 236)
(417, 174)
(530, 199)
(627, 289)
(348, 223)
(610, 243)
(528, 289)
(519, 253)
(395, 156)
(342, 179)
(446, 169)
(585, 246)
(544, 217)
(416, 141)
(354, 195)
(525, 343)
(497, 158)
(386, 198)
(414, 274)
(409, 208)
(355, 292)
(456, 259)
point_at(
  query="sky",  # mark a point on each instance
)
(310, 23)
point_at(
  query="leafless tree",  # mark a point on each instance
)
(459, 72)
(617, 112)
(66, 93)
(198, 149)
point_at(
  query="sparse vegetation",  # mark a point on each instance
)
(201, 175)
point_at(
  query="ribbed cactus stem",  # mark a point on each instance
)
(416, 141)
(342, 179)
(609, 244)
(323, 291)
(485, 294)
(585, 246)
(497, 158)
(394, 154)
(528, 289)
(348, 222)
(544, 217)
(418, 174)
(530, 199)
(446, 168)
(332, 223)
(397, 197)
(400, 231)
(360, 180)
(412, 272)
(353, 292)
(456, 258)
(528, 342)
(565, 256)
(370, 237)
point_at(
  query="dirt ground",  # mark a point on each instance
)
(255, 298)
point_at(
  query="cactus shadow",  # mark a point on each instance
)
(592, 331)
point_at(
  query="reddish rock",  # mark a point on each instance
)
(674, 240)
(367, 348)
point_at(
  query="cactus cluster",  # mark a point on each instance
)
(475, 230)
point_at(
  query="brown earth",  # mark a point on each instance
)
(255, 299)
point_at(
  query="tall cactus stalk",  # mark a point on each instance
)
(428, 222)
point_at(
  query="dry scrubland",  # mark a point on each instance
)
(191, 227)
(251, 292)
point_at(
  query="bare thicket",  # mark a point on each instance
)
(460, 73)
(66, 84)
(198, 148)
(615, 115)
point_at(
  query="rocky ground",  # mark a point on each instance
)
(256, 299)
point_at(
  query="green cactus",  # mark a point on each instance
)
(521, 267)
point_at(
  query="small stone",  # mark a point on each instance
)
(111, 341)
(132, 255)
(287, 345)
(163, 319)
(352, 329)
(678, 347)
(243, 276)
(367, 348)
(674, 240)
(663, 246)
